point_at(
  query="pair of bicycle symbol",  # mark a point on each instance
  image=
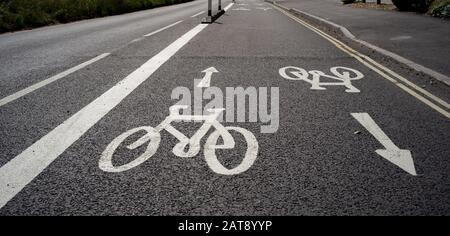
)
(190, 147)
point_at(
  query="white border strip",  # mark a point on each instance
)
(22, 169)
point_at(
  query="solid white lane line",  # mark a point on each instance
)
(198, 14)
(163, 28)
(228, 7)
(21, 170)
(43, 83)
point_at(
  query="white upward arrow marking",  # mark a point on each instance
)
(206, 81)
(399, 157)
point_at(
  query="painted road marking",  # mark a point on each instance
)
(136, 40)
(43, 83)
(198, 14)
(403, 37)
(186, 147)
(21, 170)
(163, 28)
(61, 75)
(264, 8)
(240, 9)
(399, 157)
(412, 85)
(380, 69)
(343, 75)
(212, 145)
(206, 81)
(228, 7)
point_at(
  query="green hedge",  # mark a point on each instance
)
(440, 8)
(20, 14)
(412, 5)
(347, 1)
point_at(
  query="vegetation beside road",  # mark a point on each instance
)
(23, 14)
(438, 8)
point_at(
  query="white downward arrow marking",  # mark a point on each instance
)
(206, 81)
(399, 157)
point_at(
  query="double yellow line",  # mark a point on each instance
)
(425, 96)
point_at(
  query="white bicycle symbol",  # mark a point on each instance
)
(345, 77)
(187, 147)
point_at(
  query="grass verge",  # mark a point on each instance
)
(26, 14)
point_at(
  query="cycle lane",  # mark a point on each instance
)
(314, 163)
(335, 151)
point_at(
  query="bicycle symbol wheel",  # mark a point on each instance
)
(249, 158)
(152, 135)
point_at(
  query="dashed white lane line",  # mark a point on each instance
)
(52, 79)
(22, 169)
(63, 74)
(198, 14)
(136, 40)
(163, 28)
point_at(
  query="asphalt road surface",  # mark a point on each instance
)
(375, 145)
